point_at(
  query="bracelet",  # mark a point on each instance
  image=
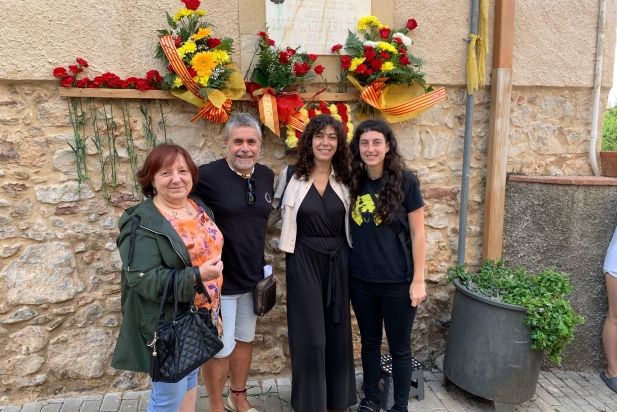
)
(199, 285)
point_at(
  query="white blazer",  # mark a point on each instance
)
(294, 195)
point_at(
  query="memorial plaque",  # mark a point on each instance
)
(316, 25)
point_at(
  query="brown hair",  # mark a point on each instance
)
(163, 155)
(306, 160)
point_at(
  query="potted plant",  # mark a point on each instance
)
(503, 320)
(608, 153)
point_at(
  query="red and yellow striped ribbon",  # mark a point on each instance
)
(371, 95)
(213, 113)
(177, 64)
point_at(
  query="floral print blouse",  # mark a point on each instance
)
(204, 241)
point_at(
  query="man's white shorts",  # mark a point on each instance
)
(239, 321)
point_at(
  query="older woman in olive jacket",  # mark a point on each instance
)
(170, 229)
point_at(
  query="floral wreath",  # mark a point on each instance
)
(339, 111)
(200, 68)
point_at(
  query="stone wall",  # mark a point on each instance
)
(568, 227)
(59, 272)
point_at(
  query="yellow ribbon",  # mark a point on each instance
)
(476, 66)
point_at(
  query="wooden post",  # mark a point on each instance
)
(499, 129)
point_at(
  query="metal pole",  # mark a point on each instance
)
(462, 225)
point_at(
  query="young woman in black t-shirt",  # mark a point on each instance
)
(387, 275)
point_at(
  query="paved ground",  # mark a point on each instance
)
(557, 391)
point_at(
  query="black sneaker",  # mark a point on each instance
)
(368, 406)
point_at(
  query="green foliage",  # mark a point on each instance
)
(281, 68)
(609, 131)
(550, 317)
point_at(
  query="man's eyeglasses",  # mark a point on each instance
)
(251, 192)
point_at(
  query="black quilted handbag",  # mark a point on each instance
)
(185, 342)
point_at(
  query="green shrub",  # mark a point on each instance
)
(609, 131)
(550, 317)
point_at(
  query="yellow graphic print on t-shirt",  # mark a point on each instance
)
(364, 212)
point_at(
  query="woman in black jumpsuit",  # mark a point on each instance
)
(316, 203)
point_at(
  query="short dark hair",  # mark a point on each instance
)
(163, 155)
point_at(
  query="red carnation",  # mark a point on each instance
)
(154, 75)
(411, 24)
(345, 62)
(376, 64)
(345, 127)
(81, 62)
(313, 57)
(319, 69)
(283, 57)
(341, 108)
(270, 42)
(299, 69)
(177, 41)
(67, 81)
(404, 61)
(398, 40)
(141, 84)
(361, 68)
(73, 68)
(370, 55)
(291, 52)
(311, 113)
(368, 48)
(336, 48)
(402, 51)
(384, 55)
(213, 42)
(60, 72)
(191, 4)
(263, 34)
(322, 106)
(384, 33)
(192, 72)
(298, 133)
(368, 72)
(170, 68)
(85, 82)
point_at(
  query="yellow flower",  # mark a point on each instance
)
(182, 13)
(304, 112)
(202, 80)
(220, 56)
(200, 13)
(355, 62)
(387, 66)
(188, 47)
(177, 83)
(201, 33)
(333, 109)
(291, 141)
(203, 63)
(337, 116)
(350, 131)
(387, 47)
(372, 20)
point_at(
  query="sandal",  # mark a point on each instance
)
(368, 406)
(231, 407)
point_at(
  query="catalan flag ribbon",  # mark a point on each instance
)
(279, 108)
(218, 103)
(397, 102)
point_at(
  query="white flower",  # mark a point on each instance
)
(373, 44)
(406, 40)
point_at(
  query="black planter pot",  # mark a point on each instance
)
(488, 350)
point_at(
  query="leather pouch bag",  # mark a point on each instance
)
(264, 296)
(184, 343)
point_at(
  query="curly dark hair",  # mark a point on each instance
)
(306, 158)
(390, 193)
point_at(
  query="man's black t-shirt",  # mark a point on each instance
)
(378, 254)
(243, 225)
